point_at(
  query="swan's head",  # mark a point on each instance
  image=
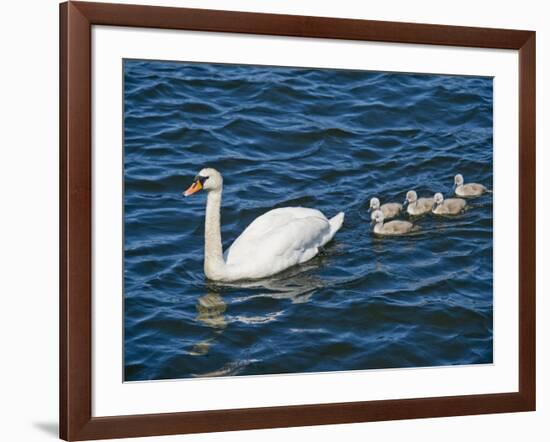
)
(438, 198)
(207, 179)
(374, 204)
(411, 197)
(459, 180)
(378, 216)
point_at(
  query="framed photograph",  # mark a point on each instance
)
(274, 220)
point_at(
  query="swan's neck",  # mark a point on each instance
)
(214, 265)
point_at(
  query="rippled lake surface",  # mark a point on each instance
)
(327, 139)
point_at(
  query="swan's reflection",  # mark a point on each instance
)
(210, 312)
(296, 285)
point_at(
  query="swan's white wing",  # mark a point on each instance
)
(278, 239)
(270, 221)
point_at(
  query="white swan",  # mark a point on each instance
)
(391, 228)
(390, 210)
(468, 190)
(272, 243)
(449, 206)
(418, 206)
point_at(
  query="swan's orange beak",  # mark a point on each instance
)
(193, 188)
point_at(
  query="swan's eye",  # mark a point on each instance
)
(201, 179)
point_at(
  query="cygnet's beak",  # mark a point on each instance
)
(194, 188)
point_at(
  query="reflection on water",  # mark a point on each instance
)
(210, 312)
(328, 139)
(295, 285)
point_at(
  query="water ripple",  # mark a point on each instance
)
(329, 139)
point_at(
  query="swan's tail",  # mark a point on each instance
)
(335, 223)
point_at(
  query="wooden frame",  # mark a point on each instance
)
(76, 421)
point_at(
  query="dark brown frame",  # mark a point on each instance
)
(76, 421)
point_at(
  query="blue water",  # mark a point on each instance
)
(328, 139)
